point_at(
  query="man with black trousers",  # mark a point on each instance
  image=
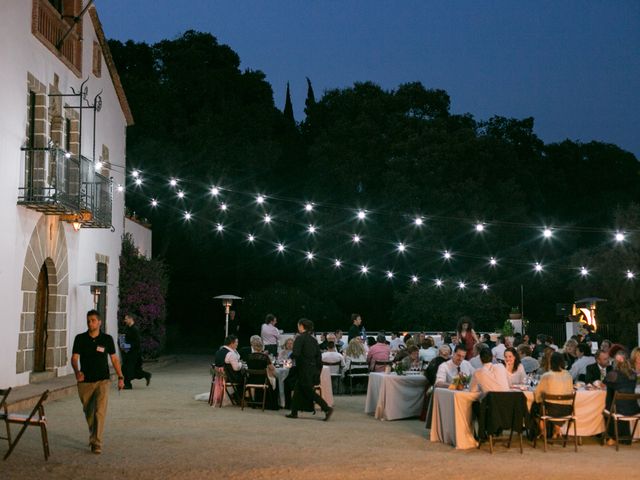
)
(132, 354)
(89, 361)
(306, 353)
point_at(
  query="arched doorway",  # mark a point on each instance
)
(41, 327)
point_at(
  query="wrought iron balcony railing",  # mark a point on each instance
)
(57, 183)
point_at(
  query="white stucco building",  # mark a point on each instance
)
(61, 212)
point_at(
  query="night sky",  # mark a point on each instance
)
(573, 65)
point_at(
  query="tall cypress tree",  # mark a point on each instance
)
(288, 108)
(311, 98)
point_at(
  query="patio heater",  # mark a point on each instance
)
(227, 301)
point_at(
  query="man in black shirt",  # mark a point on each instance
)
(356, 328)
(308, 358)
(89, 361)
(132, 354)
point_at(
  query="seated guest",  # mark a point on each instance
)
(498, 350)
(453, 367)
(397, 342)
(428, 350)
(541, 344)
(526, 340)
(490, 377)
(259, 360)
(545, 360)
(475, 361)
(557, 381)
(486, 339)
(515, 370)
(569, 352)
(339, 342)
(287, 348)
(323, 341)
(354, 353)
(370, 343)
(596, 372)
(583, 359)
(605, 345)
(332, 356)
(529, 363)
(411, 358)
(329, 338)
(621, 379)
(635, 360)
(444, 352)
(378, 352)
(229, 359)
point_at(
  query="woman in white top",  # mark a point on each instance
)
(515, 370)
(354, 353)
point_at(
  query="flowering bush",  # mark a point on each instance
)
(143, 287)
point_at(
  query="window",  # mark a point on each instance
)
(97, 59)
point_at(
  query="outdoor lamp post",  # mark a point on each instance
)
(227, 301)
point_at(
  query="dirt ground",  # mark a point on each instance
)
(160, 431)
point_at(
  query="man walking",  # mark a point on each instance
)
(89, 361)
(306, 353)
(132, 354)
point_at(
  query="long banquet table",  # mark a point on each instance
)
(451, 420)
(325, 384)
(392, 397)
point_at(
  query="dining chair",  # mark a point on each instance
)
(36, 418)
(356, 370)
(561, 419)
(255, 380)
(335, 374)
(501, 411)
(4, 394)
(612, 414)
(221, 386)
(382, 363)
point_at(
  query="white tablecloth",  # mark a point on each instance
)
(391, 397)
(451, 415)
(325, 383)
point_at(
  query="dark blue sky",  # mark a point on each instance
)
(573, 65)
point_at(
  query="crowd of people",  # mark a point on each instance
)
(486, 364)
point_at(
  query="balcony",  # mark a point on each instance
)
(57, 183)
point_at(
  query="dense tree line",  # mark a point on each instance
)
(200, 117)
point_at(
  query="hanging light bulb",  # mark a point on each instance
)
(538, 267)
(438, 282)
(154, 203)
(418, 221)
(223, 207)
(462, 285)
(390, 274)
(619, 237)
(312, 229)
(267, 219)
(280, 247)
(584, 271)
(173, 182)
(308, 206)
(310, 256)
(547, 233)
(215, 191)
(219, 227)
(356, 239)
(187, 216)
(260, 199)
(447, 255)
(361, 214)
(180, 194)
(138, 181)
(630, 275)
(479, 227)
(402, 247)
(251, 238)
(364, 269)
(414, 279)
(134, 173)
(337, 263)
(493, 262)
(484, 287)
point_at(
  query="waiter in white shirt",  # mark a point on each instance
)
(270, 334)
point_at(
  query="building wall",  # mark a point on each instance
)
(21, 55)
(141, 236)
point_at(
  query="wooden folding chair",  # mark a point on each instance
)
(255, 380)
(335, 375)
(221, 386)
(36, 419)
(568, 419)
(612, 414)
(4, 393)
(357, 370)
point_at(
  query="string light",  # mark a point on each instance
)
(390, 274)
(215, 191)
(439, 283)
(479, 227)
(364, 269)
(337, 263)
(447, 255)
(547, 233)
(462, 285)
(251, 238)
(180, 194)
(402, 247)
(418, 221)
(267, 219)
(493, 262)
(280, 247)
(414, 278)
(134, 173)
(484, 287)
(173, 182)
(538, 267)
(120, 188)
(154, 203)
(308, 207)
(310, 256)
(356, 239)
(619, 237)
(138, 181)
(219, 227)
(312, 229)
(260, 199)
(361, 215)
(630, 275)
(223, 207)
(584, 271)
(187, 216)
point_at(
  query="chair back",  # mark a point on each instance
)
(335, 367)
(622, 397)
(358, 369)
(380, 363)
(550, 398)
(256, 377)
(4, 393)
(502, 411)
